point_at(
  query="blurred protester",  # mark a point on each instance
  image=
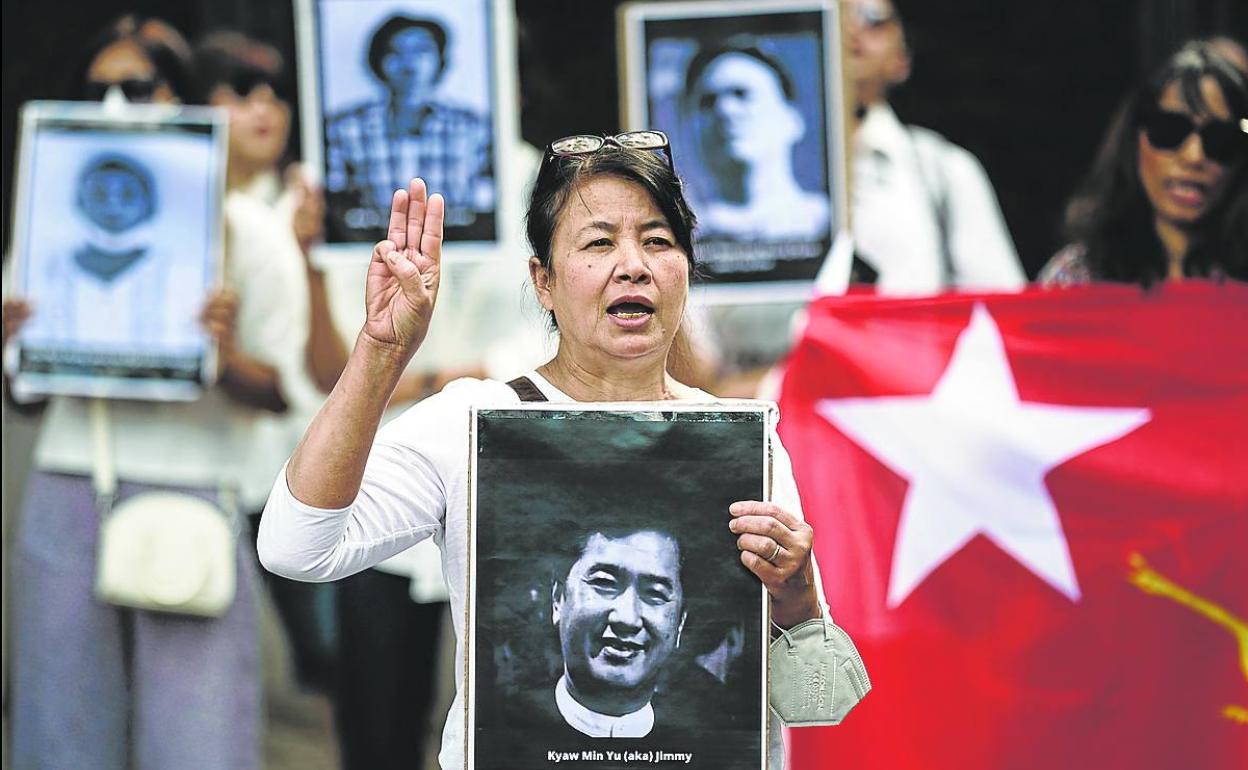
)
(924, 216)
(924, 213)
(100, 686)
(370, 640)
(248, 79)
(364, 640)
(143, 60)
(1167, 196)
(373, 148)
(744, 106)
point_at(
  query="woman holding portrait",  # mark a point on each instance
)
(611, 235)
(105, 686)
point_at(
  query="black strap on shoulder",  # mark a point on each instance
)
(526, 390)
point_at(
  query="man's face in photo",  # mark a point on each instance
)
(115, 198)
(741, 109)
(413, 64)
(620, 614)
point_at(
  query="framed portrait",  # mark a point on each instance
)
(396, 89)
(750, 95)
(118, 241)
(611, 623)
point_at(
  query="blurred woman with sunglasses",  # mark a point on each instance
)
(1167, 197)
(248, 78)
(143, 59)
(102, 686)
(612, 242)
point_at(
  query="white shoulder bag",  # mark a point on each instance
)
(163, 551)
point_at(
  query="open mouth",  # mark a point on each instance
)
(1188, 193)
(630, 310)
(621, 650)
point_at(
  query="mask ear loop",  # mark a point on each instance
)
(791, 642)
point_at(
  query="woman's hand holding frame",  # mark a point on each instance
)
(775, 545)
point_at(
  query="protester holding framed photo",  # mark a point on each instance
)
(120, 659)
(611, 235)
(925, 216)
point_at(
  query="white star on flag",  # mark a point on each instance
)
(976, 458)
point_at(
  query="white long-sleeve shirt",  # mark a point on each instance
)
(415, 487)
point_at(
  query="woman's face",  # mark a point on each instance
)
(125, 63)
(618, 281)
(1183, 183)
(259, 125)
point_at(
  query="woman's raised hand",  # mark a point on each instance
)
(404, 272)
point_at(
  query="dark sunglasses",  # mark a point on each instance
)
(243, 83)
(588, 144)
(135, 89)
(1222, 140)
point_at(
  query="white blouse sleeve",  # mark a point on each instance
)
(402, 498)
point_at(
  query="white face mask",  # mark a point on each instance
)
(816, 674)
(114, 99)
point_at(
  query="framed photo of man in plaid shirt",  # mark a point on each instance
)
(401, 89)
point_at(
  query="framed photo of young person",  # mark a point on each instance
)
(118, 241)
(611, 623)
(750, 95)
(396, 89)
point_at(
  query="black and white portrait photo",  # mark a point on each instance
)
(405, 89)
(614, 625)
(119, 240)
(748, 93)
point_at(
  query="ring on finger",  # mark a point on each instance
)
(774, 554)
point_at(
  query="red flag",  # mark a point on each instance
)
(1031, 514)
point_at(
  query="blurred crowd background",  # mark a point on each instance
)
(1027, 87)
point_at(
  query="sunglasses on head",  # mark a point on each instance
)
(135, 89)
(871, 16)
(588, 144)
(1223, 141)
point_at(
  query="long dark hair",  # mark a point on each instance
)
(1111, 217)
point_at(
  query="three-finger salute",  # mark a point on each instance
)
(405, 270)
